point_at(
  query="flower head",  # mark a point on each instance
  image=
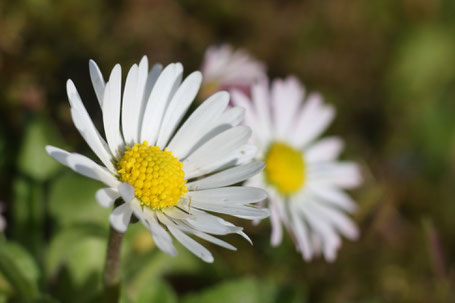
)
(225, 69)
(173, 179)
(304, 180)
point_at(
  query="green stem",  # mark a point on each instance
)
(111, 277)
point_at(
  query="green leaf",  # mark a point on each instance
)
(157, 291)
(139, 269)
(72, 199)
(245, 290)
(33, 159)
(67, 241)
(45, 299)
(19, 270)
(75, 262)
(86, 258)
(423, 63)
(28, 214)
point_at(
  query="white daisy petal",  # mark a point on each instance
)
(58, 154)
(130, 105)
(97, 81)
(241, 100)
(233, 195)
(120, 217)
(233, 116)
(277, 229)
(213, 153)
(227, 177)
(93, 139)
(342, 174)
(243, 154)
(187, 241)
(177, 213)
(88, 168)
(327, 149)
(302, 236)
(334, 196)
(245, 236)
(337, 219)
(316, 243)
(284, 210)
(195, 127)
(214, 240)
(82, 165)
(106, 197)
(286, 97)
(134, 109)
(330, 239)
(230, 118)
(161, 94)
(208, 223)
(191, 244)
(260, 97)
(126, 191)
(240, 232)
(208, 238)
(150, 83)
(226, 67)
(142, 78)
(160, 236)
(111, 111)
(240, 211)
(86, 127)
(178, 106)
(312, 120)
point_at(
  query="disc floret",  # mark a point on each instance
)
(156, 175)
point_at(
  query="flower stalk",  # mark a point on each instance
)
(111, 278)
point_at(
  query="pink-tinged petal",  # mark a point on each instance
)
(324, 150)
(277, 229)
(261, 103)
(286, 95)
(341, 174)
(313, 119)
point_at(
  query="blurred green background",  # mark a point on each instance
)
(387, 65)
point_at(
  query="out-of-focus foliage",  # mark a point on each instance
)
(387, 65)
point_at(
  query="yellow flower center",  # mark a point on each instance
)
(156, 175)
(284, 168)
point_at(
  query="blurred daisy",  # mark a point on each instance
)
(2, 219)
(226, 69)
(172, 179)
(304, 180)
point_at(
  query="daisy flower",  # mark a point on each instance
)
(172, 179)
(226, 69)
(304, 180)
